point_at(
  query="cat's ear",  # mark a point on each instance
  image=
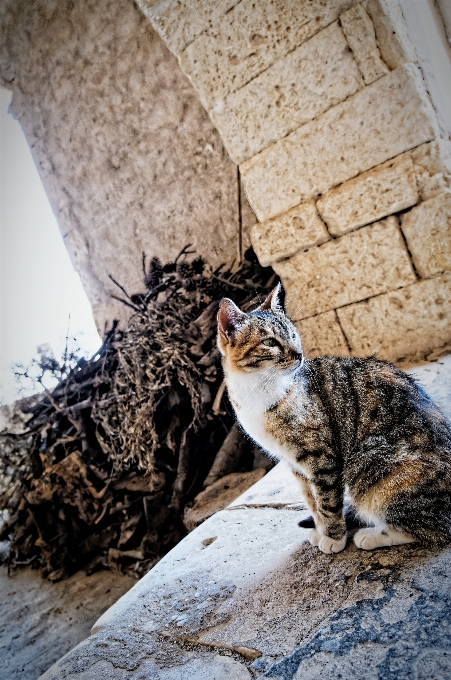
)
(229, 319)
(273, 302)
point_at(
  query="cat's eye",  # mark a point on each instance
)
(270, 342)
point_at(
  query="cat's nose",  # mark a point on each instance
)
(296, 354)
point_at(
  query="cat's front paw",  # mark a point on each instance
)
(326, 544)
(329, 545)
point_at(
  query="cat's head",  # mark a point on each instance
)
(258, 340)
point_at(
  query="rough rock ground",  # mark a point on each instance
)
(244, 583)
(40, 621)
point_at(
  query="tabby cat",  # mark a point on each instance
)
(344, 425)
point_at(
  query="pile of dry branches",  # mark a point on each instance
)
(128, 438)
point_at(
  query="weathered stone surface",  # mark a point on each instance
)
(391, 32)
(179, 23)
(366, 262)
(297, 88)
(359, 31)
(218, 496)
(127, 155)
(403, 323)
(40, 621)
(387, 189)
(341, 143)
(432, 168)
(427, 229)
(322, 334)
(284, 236)
(251, 37)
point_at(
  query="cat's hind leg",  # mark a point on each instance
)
(381, 536)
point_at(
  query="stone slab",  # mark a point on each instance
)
(322, 334)
(251, 37)
(359, 31)
(219, 495)
(379, 122)
(386, 189)
(356, 266)
(179, 23)
(298, 229)
(297, 88)
(408, 322)
(391, 32)
(277, 489)
(427, 229)
(432, 163)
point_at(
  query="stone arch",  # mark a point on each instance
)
(127, 155)
(341, 133)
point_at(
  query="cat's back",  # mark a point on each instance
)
(365, 396)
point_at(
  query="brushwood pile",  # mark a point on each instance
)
(110, 459)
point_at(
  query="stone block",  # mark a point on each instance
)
(427, 229)
(387, 189)
(391, 32)
(297, 88)
(322, 334)
(359, 31)
(299, 228)
(432, 168)
(377, 123)
(251, 37)
(403, 323)
(367, 262)
(179, 23)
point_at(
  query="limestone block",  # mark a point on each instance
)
(389, 188)
(179, 23)
(359, 31)
(367, 262)
(391, 32)
(297, 88)
(251, 37)
(283, 236)
(402, 323)
(322, 334)
(427, 229)
(432, 168)
(381, 121)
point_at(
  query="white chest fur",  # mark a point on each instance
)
(253, 394)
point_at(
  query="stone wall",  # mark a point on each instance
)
(128, 157)
(343, 157)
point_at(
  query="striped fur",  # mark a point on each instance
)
(359, 426)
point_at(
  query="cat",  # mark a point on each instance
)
(358, 426)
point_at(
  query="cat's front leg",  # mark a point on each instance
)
(330, 532)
